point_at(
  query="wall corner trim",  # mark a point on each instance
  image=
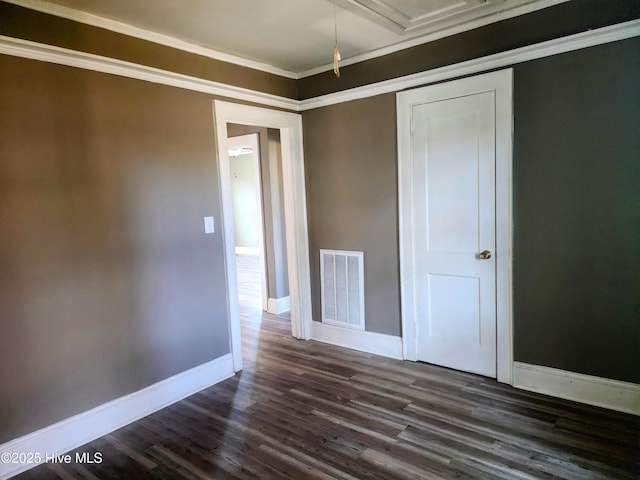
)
(598, 391)
(80, 429)
(280, 305)
(369, 342)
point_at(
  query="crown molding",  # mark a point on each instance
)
(63, 56)
(430, 37)
(570, 43)
(141, 33)
(37, 51)
(166, 40)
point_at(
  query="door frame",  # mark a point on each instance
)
(295, 213)
(237, 142)
(500, 82)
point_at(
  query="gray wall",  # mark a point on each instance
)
(576, 200)
(351, 181)
(107, 281)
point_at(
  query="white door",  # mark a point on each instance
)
(453, 146)
(454, 150)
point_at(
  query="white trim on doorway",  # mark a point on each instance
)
(501, 82)
(295, 212)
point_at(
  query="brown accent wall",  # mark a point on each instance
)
(351, 180)
(39, 27)
(576, 193)
(549, 23)
(576, 174)
(107, 281)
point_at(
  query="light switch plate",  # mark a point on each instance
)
(208, 225)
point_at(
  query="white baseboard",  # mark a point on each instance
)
(279, 305)
(370, 342)
(247, 251)
(80, 429)
(601, 392)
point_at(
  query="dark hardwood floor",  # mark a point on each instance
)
(306, 410)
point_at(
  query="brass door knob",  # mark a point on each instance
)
(485, 255)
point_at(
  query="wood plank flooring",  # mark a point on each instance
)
(306, 410)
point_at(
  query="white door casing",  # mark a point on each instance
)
(456, 307)
(295, 212)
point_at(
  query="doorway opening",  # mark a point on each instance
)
(230, 117)
(255, 161)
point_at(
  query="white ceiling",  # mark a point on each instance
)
(294, 36)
